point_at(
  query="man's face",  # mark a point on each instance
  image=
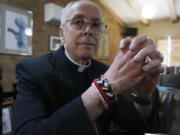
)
(81, 43)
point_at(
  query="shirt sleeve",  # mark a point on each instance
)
(126, 119)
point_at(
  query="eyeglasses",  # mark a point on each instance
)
(81, 23)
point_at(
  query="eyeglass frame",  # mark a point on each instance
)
(86, 23)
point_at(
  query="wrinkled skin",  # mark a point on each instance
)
(129, 69)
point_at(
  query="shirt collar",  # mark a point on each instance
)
(80, 68)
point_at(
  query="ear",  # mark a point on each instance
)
(61, 33)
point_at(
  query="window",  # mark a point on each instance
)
(170, 47)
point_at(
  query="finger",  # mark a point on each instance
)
(121, 59)
(116, 62)
(161, 69)
(143, 53)
(156, 54)
(149, 42)
(124, 43)
(152, 64)
(136, 42)
(156, 71)
(127, 56)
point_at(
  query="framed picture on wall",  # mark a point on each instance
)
(15, 30)
(55, 43)
(103, 50)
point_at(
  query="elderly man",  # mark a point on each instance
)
(67, 92)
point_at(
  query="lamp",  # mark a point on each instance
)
(148, 11)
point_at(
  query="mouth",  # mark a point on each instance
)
(87, 43)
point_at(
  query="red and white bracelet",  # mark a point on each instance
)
(105, 91)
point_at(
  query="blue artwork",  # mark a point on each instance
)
(20, 34)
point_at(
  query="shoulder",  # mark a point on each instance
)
(33, 68)
(36, 61)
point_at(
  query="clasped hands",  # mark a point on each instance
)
(130, 68)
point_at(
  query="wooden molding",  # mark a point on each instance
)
(172, 10)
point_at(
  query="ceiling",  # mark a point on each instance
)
(130, 10)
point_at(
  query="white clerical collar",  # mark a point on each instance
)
(80, 67)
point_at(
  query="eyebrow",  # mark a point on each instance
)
(82, 16)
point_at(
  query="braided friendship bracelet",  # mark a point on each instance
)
(100, 96)
(105, 89)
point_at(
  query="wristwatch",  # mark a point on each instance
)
(142, 101)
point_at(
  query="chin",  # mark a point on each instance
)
(87, 55)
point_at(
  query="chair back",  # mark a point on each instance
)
(167, 110)
(170, 80)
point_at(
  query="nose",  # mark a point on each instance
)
(87, 29)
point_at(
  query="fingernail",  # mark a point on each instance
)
(133, 45)
(122, 45)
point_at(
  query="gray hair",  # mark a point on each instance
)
(65, 11)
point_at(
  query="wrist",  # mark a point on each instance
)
(105, 90)
(112, 83)
(92, 103)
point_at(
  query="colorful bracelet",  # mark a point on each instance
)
(105, 89)
(100, 96)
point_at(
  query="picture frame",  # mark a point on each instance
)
(55, 43)
(6, 119)
(16, 26)
(103, 50)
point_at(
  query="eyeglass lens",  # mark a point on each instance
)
(80, 23)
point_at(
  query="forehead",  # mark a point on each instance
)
(85, 9)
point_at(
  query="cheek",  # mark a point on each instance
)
(72, 37)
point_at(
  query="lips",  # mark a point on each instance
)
(87, 43)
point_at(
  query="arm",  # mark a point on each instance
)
(146, 88)
(146, 91)
(129, 121)
(31, 117)
(125, 72)
(13, 31)
(149, 114)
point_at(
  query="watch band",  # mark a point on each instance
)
(142, 101)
